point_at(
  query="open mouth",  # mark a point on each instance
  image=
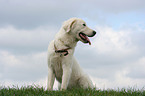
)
(84, 38)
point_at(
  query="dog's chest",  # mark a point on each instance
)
(57, 67)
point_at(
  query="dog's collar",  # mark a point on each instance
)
(65, 51)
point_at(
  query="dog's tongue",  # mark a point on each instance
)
(86, 38)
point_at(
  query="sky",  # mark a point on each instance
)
(116, 58)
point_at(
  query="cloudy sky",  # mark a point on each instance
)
(116, 58)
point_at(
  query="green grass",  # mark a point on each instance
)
(40, 91)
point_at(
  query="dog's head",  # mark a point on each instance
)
(78, 28)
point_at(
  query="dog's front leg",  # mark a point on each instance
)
(67, 70)
(65, 77)
(51, 78)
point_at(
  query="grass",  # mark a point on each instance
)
(40, 91)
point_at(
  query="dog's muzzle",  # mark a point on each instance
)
(85, 38)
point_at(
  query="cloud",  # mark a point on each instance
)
(112, 41)
(25, 41)
(32, 14)
(114, 6)
(28, 67)
(120, 43)
(137, 69)
(120, 81)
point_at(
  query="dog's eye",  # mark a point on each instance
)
(84, 24)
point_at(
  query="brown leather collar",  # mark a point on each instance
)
(65, 51)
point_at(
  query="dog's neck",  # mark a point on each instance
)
(68, 42)
(61, 44)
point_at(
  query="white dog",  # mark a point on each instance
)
(61, 62)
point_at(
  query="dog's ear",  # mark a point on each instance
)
(68, 25)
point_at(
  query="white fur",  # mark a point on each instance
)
(65, 68)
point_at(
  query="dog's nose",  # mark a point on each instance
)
(94, 32)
